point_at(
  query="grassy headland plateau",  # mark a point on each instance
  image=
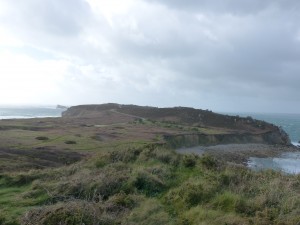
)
(117, 164)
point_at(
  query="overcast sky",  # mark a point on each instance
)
(223, 55)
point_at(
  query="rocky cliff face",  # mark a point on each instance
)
(190, 140)
(222, 129)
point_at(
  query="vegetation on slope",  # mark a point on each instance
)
(149, 184)
(203, 122)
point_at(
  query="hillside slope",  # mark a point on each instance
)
(208, 127)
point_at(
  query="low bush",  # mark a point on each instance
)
(209, 162)
(228, 202)
(202, 215)
(5, 221)
(70, 142)
(19, 179)
(190, 160)
(126, 155)
(120, 202)
(149, 184)
(149, 212)
(68, 213)
(191, 193)
(42, 138)
(93, 186)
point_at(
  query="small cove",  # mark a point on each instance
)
(288, 162)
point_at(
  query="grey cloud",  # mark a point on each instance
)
(208, 54)
(253, 56)
(64, 17)
(229, 6)
(56, 27)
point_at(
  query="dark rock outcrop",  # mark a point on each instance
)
(190, 140)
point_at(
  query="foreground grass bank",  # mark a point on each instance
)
(149, 184)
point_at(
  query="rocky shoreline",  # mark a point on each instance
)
(239, 153)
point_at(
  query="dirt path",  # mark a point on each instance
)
(125, 114)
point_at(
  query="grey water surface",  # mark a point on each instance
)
(29, 112)
(288, 162)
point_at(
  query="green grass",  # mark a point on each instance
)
(181, 127)
(12, 204)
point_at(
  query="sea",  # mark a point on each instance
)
(29, 112)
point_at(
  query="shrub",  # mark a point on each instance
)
(70, 142)
(5, 221)
(88, 183)
(209, 162)
(125, 155)
(191, 193)
(69, 213)
(201, 215)
(149, 212)
(148, 183)
(226, 202)
(165, 156)
(190, 160)
(42, 138)
(102, 160)
(119, 202)
(19, 179)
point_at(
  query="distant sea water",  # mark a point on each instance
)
(29, 112)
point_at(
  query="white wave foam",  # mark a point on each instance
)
(288, 163)
(297, 144)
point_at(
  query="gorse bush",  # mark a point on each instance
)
(4, 221)
(209, 162)
(42, 138)
(228, 202)
(148, 183)
(190, 193)
(149, 212)
(69, 213)
(70, 142)
(189, 160)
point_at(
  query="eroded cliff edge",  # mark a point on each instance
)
(205, 127)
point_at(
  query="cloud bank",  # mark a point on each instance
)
(222, 55)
